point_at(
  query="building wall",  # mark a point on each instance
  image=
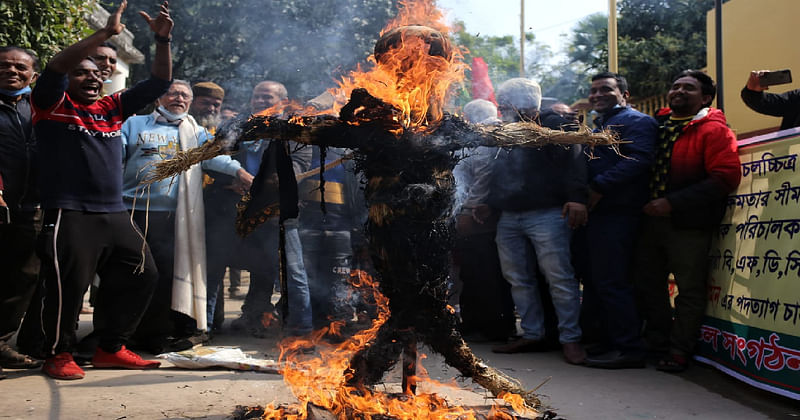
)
(756, 35)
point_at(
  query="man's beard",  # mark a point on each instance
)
(209, 120)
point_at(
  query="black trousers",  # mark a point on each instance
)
(19, 269)
(159, 320)
(486, 304)
(73, 246)
(603, 251)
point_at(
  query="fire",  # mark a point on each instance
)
(414, 75)
(268, 319)
(320, 380)
(413, 70)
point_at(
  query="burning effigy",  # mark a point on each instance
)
(392, 118)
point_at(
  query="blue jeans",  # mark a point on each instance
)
(327, 255)
(299, 320)
(549, 234)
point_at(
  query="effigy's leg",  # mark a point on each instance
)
(443, 338)
(370, 363)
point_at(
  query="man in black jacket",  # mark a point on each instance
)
(786, 105)
(542, 194)
(19, 199)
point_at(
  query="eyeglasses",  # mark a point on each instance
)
(175, 94)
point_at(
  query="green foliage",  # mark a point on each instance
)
(44, 26)
(303, 44)
(657, 39)
(589, 42)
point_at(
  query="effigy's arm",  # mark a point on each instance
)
(455, 133)
(366, 121)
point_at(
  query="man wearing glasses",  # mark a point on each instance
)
(171, 213)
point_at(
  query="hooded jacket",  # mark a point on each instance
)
(704, 169)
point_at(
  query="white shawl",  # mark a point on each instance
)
(189, 272)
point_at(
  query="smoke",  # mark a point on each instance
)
(305, 45)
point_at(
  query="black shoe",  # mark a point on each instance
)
(12, 359)
(188, 341)
(523, 345)
(596, 349)
(616, 359)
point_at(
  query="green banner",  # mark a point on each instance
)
(752, 328)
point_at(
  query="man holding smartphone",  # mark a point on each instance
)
(19, 199)
(786, 105)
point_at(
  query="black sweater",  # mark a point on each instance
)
(526, 178)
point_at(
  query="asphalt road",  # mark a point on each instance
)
(574, 392)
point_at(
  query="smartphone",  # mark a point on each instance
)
(777, 77)
(5, 216)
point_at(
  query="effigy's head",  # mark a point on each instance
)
(417, 64)
(433, 42)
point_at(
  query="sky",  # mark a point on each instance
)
(547, 19)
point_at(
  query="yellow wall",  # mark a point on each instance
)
(757, 35)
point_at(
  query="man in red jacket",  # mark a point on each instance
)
(696, 167)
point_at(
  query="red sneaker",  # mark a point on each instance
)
(124, 358)
(62, 366)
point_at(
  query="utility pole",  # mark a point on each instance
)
(718, 44)
(521, 38)
(612, 36)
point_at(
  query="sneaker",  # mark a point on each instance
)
(124, 358)
(62, 366)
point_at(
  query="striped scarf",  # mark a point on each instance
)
(668, 134)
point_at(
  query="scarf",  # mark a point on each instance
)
(189, 270)
(667, 135)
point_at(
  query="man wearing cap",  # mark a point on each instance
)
(205, 109)
(208, 97)
(542, 194)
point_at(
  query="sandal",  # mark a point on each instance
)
(11, 359)
(673, 363)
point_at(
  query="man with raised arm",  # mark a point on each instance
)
(87, 229)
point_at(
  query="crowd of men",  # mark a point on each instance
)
(533, 224)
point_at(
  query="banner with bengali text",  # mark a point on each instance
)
(752, 325)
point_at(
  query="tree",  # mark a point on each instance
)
(587, 53)
(657, 40)
(303, 44)
(44, 27)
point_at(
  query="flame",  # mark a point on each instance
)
(319, 380)
(417, 84)
(406, 77)
(268, 319)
